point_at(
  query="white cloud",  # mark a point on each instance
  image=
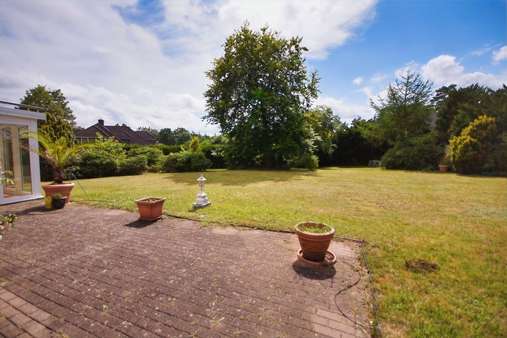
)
(482, 50)
(445, 69)
(358, 81)
(500, 54)
(151, 75)
(345, 110)
(205, 25)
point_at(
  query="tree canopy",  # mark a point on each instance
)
(406, 110)
(152, 131)
(322, 127)
(259, 91)
(457, 107)
(174, 137)
(59, 117)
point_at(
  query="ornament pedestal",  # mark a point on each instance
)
(202, 199)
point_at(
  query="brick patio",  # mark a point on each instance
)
(90, 272)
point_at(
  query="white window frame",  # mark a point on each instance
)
(23, 118)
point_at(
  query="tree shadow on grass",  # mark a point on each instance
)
(240, 177)
(449, 173)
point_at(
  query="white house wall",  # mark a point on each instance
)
(31, 123)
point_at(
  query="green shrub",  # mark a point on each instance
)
(105, 146)
(152, 153)
(169, 149)
(170, 162)
(157, 167)
(98, 159)
(417, 153)
(135, 165)
(194, 145)
(96, 165)
(214, 153)
(186, 161)
(472, 149)
(192, 161)
(307, 161)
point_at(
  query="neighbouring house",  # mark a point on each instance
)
(122, 133)
(19, 161)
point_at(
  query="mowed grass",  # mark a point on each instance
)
(456, 221)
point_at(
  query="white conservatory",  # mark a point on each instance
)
(19, 164)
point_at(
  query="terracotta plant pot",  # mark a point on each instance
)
(314, 244)
(63, 189)
(150, 208)
(58, 203)
(443, 168)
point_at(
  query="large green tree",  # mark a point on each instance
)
(165, 136)
(323, 126)
(456, 107)
(174, 137)
(258, 93)
(59, 116)
(181, 135)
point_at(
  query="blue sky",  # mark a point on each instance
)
(143, 62)
(417, 31)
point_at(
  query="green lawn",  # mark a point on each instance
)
(458, 222)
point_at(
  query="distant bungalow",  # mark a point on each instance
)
(122, 133)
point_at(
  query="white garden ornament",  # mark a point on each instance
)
(202, 199)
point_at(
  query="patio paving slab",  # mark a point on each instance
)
(90, 272)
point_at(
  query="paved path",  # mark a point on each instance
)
(89, 272)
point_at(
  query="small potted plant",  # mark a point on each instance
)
(314, 239)
(58, 153)
(58, 201)
(150, 208)
(443, 168)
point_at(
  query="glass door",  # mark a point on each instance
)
(14, 162)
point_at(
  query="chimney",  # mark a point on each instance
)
(101, 122)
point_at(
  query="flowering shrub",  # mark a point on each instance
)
(470, 150)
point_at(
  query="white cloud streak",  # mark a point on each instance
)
(500, 54)
(347, 111)
(358, 81)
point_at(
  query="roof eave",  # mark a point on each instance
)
(22, 113)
